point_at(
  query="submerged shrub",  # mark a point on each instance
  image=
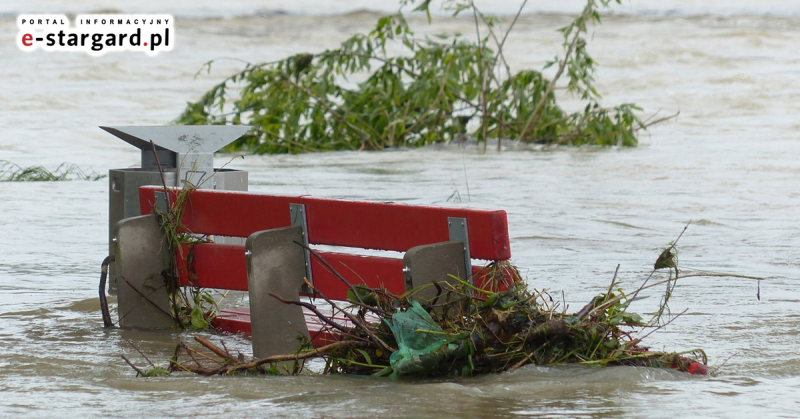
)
(436, 89)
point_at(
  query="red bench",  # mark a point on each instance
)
(429, 235)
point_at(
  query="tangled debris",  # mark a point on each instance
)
(464, 330)
(467, 331)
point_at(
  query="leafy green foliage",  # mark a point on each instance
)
(192, 307)
(436, 89)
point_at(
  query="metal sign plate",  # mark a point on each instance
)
(457, 228)
(297, 213)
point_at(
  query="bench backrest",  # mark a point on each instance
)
(357, 224)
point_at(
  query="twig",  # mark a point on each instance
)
(140, 352)
(588, 308)
(663, 325)
(334, 271)
(522, 362)
(173, 362)
(681, 235)
(534, 118)
(613, 281)
(356, 321)
(225, 348)
(758, 292)
(294, 357)
(672, 245)
(484, 73)
(618, 298)
(646, 124)
(138, 371)
(716, 369)
(324, 103)
(208, 357)
(213, 348)
(189, 352)
(442, 84)
(503, 42)
(313, 309)
(208, 63)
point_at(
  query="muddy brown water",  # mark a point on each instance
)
(729, 163)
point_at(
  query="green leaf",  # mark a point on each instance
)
(198, 318)
(365, 293)
(365, 355)
(632, 319)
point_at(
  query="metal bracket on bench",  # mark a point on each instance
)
(162, 202)
(297, 212)
(457, 227)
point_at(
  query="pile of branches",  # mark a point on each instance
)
(465, 330)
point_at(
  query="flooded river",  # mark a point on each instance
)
(729, 163)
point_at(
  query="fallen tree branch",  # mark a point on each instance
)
(213, 348)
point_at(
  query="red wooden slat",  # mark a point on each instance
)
(375, 272)
(223, 266)
(235, 321)
(370, 271)
(369, 225)
(218, 266)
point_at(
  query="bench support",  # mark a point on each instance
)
(423, 265)
(275, 264)
(141, 257)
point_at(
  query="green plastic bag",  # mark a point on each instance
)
(421, 343)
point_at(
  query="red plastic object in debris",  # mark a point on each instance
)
(697, 368)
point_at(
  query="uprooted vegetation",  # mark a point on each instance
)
(418, 90)
(465, 331)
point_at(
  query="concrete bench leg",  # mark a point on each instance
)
(141, 256)
(430, 263)
(275, 264)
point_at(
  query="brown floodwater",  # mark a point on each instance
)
(729, 163)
